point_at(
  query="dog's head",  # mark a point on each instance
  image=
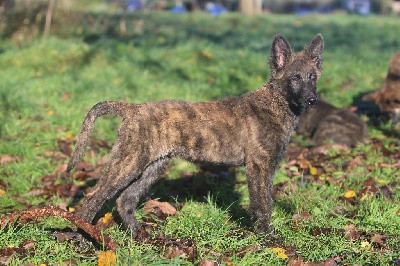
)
(296, 74)
(388, 96)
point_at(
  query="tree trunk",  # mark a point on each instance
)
(251, 7)
(49, 15)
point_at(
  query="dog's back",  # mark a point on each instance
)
(325, 123)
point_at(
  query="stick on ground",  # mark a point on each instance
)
(47, 211)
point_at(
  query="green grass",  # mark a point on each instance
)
(198, 57)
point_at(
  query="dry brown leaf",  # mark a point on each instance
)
(351, 232)
(329, 262)
(55, 155)
(304, 164)
(300, 217)
(65, 97)
(7, 158)
(208, 262)
(173, 252)
(324, 149)
(106, 221)
(165, 207)
(61, 168)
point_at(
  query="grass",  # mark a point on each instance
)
(47, 86)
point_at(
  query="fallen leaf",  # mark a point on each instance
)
(66, 95)
(316, 231)
(386, 165)
(65, 147)
(10, 251)
(37, 192)
(28, 244)
(351, 232)
(369, 189)
(55, 155)
(84, 167)
(208, 262)
(106, 258)
(329, 262)
(61, 168)
(365, 244)
(304, 164)
(69, 135)
(313, 170)
(353, 163)
(243, 251)
(63, 236)
(106, 221)
(173, 252)
(177, 247)
(324, 149)
(349, 194)
(379, 240)
(386, 191)
(279, 253)
(7, 158)
(300, 217)
(165, 207)
(2, 192)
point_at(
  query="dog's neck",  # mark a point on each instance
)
(271, 100)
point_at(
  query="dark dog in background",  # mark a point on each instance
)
(326, 123)
(388, 96)
(252, 130)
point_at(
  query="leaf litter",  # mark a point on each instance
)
(313, 164)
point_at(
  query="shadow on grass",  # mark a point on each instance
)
(215, 182)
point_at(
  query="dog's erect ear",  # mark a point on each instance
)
(315, 49)
(280, 54)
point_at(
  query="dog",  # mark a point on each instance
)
(326, 123)
(388, 96)
(251, 130)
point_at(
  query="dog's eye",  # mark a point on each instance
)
(312, 77)
(296, 77)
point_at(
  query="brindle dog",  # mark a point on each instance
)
(388, 96)
(326, 123)
(252, 130)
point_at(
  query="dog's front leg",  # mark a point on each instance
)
(260, 171)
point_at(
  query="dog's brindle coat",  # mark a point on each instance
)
(251, 130)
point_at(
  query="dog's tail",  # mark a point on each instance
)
(100, 109)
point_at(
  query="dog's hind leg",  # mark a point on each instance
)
(129, 198)
(121, 171)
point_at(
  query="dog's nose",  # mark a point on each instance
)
(312, 101)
